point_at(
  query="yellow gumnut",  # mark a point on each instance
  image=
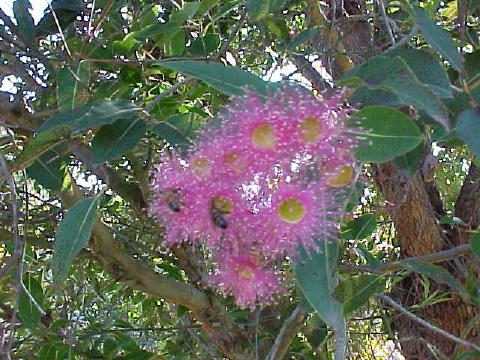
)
(245, 273)
(291, 210)
(223, 204)
(311, 129)
(343, 178)
(263, 137)
(201, 167)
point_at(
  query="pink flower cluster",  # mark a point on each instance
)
(262, 180)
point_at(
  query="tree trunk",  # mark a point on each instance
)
(414, 208)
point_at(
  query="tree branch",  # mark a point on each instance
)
(426, 324)
(286, 334)
(467, 206)
(398, 265)
(138, 276)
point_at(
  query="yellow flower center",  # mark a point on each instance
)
(291, 210)
(222, 204)
(263, 137)
(245, 273)
(233, 159)
(343, 177)
(311, 129)
(201, 167)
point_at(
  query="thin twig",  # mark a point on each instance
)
(399, 265)
(286, 334)
(426, 324)
(231, 36)
(383, 13)
(62, 36)
(17, 253)
(406, 38)
(166, 93)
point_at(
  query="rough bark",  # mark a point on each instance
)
(411, 206)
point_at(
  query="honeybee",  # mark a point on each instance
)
(173, 200)
(220, 207)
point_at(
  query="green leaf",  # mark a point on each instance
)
(176, 130)
(303, 37)
(395, 76)
(55, 352)
(65, 10)
(472, 64)
(186, 12)
(72, 235)
(319, 334)
(29, 313)
(468, 355)
(438, 39)
(435, 272)
(206, 5)
(360, 227)
(316, 275)
(391, 134)
(227, 79)
(468, 129)
(114, 140)
(175, 44)
(130, 40)
(95, 113)
(175, 39)
(42, 143)
(279, 28)
(25, 24)
(367, 96)
(49, 170)
(72, 85)
(354, 291)
(204, 45)
(258, 9)
(475, 244)
(426, 68)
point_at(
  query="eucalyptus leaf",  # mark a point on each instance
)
(21, 12)
(95, 113)
(468, 129)
(435, 272)
(393, 75)
(427, 69)
(227, 79)
(354, 291)
(475, 244)
(114, 140)
(29, 312)
(72, 85)
(316, 275)
(49, 170)
(390, 133)
(72, 235)
(42, 143)
(360, 227)
(438, 39)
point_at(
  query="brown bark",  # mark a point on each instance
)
(419, 234)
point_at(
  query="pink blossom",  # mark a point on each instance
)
(265, 177)
(246, 279)
(297, 216)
